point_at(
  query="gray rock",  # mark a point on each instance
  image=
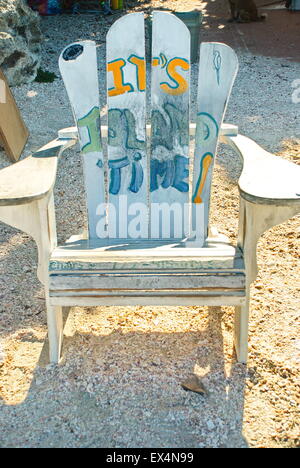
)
(20, 39)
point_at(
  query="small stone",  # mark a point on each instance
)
(210, 425)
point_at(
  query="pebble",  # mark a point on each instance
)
(210, 425)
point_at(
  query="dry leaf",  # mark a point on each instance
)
(194, 384)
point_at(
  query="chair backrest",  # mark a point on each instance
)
(139, 186)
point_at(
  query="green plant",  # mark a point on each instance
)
(43, 76)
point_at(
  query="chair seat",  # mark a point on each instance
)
(99, 268)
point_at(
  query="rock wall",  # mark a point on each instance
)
(20, 38)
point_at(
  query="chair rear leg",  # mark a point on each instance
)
(55, 332)
(241, 327)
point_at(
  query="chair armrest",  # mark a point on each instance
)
(34, 177)
(265, 178)
(270, 194)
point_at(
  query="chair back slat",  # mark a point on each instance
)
(170, 103)
(217, 71)
(127, 155)
(78, 67)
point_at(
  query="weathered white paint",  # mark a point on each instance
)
(37, 173)
(147, 255)
(126, 88)
(78, 67)
(150, 273)
(170, 103)
(217, 72)
(149, 282)
(265, 178)
(217, 298)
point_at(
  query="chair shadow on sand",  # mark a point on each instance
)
(123, 388)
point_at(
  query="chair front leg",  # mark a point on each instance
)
(241, 326)
(254, 220)
(37, 219)
(47, 242)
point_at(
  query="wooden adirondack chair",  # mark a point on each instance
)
(148, 207)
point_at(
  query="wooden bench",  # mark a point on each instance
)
(148, 197)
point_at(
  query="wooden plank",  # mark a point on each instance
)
(174, 247)
(226, 130)
(204, 292)
(147, 282)
(170, 96)
(86, 255)
(201, 299)
(103, 250)
(126, 89)
(37, 174)
(78, 67)
(130, 263)
(208, 265)
(217, 72)
(127, 252)
(114, 271)
(266, 178)
(13, 131)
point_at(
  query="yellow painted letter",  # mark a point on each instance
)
(119, 86)
(181, 85)
(141, 71)
(205, 164)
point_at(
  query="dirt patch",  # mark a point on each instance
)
(277, 36)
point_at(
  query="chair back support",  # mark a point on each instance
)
(140, 187)
(217, 72)
(126, 100)
(170, 115)
(78, 66)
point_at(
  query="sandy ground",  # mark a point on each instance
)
(119, 381)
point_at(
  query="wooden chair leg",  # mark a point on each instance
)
(55, 332)
(241, 326)
(255, 219)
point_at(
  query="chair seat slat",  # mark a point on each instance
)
(84, 256)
